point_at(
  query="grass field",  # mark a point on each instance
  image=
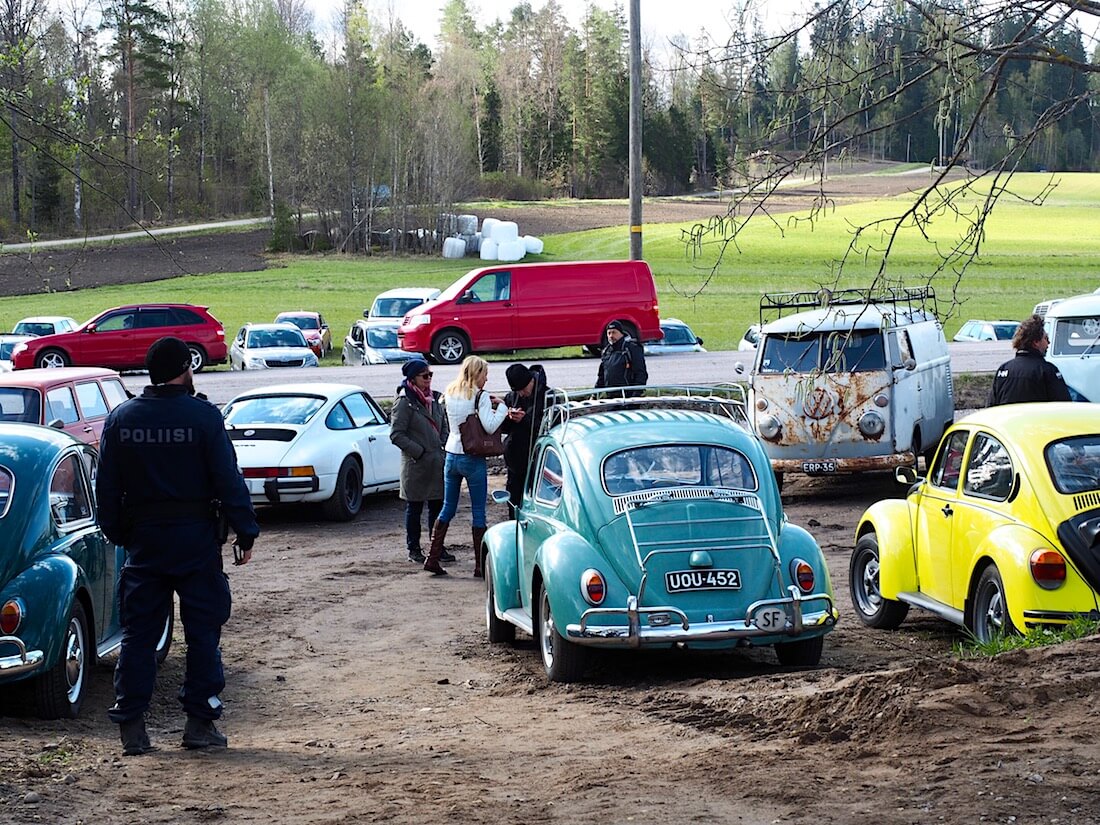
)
(1029, 253)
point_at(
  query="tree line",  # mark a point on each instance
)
(152, 111)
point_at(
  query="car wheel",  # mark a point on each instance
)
(450, 347)
(59, 692)
(347, 498)
(863, 585)
(164, 644)
(990, 617)
(198, 357)
(593, 349)
(803, 653)
(52, 358)
(563, 660)
(498, 629)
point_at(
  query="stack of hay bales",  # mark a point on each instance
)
(497, 241)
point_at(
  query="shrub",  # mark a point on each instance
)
(504, 186)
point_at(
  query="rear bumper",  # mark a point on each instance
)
(284, 490)
(25, 661)
(846, 465)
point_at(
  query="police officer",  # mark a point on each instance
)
(165, 461)
(1028, 376)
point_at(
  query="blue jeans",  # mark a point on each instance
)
(474, 469)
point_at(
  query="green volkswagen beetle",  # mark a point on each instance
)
(58, 573)
(653, 522)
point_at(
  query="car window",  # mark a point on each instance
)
(968, 329)
(362, 411)
(550, 479)
(384, 338)
(947, 468)
(676, 465)
(790, 352)
(185, 317)
(989, 469)
(115, 392)
(393, 307)
(20, 404)
(69, 498)
(116, 321)
(160, 317)
(496, 286)
(1004, 332)
(1074, 463)
(273, 409)
(92, 402)
(339, 419)
(854, 351)
(7, 487)
(35, 328)
(60, 405)
(1076, 336)
(905, 346)
(300, 321)
(677, 335)
(356, 333)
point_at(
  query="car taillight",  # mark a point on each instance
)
(278, 472)
(593, 587)
(803, 575)
(11, 615)
(1048, 568)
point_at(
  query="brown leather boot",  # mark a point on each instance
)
(431, 564)
(479, 534)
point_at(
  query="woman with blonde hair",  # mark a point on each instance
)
(462, 397)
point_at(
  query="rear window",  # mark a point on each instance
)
(677, 465)
(1074, 464)
(300, 321)
(273, 409)
(846, 351)
(21, 405)
(186, 318)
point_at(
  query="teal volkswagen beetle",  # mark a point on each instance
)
(653, 522)
(58, 573)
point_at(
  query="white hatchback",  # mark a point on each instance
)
(270, 346)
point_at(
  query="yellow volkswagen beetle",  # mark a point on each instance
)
(1003, 535)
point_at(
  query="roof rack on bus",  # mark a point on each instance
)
(727, 400)
(775, 305)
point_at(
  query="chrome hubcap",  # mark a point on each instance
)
(547, 634)
(870, 597)
(74, 659)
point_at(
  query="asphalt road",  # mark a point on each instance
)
(688, 369)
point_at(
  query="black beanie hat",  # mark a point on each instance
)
(518, 376)
(616, 325)
(413, 367)
(168, 358)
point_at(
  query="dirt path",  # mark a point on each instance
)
(362, 690)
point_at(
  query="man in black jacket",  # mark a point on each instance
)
(1028, 376)
(622, 363)
(528, 396)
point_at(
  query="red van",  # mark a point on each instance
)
(526, 306)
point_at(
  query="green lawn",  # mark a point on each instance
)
(1029, 253)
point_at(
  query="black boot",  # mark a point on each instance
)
(201, 733)
(431, 564)
(135, 741)
(416, 555)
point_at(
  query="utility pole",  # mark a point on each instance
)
(635, 131)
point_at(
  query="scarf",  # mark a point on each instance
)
(426, 399)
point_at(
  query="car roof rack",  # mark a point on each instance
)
(775, 305)
(727, 400)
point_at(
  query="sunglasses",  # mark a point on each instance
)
(426, 374)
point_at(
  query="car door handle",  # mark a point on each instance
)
(947, 511)
(370, 438)
(88, 429)
(523, 523)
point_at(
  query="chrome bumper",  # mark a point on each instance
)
(276, 488)
(23, 662)
(634, 634)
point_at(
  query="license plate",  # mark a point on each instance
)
(678, 581)
(769, 617)
(815, 468)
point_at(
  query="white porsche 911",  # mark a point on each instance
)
(327, 443)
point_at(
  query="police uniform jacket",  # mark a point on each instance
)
(622, 364)
(419, 433)
(164, 457)
(1027, 377)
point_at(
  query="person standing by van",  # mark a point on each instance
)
(1028, 376)
(526, 404)
(622, 362)
(464, 396)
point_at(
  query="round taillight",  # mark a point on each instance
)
(803, 575)
(11, 614)
(1048, 568)
(593, 587)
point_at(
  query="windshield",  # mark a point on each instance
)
(384, 338)
(20, 404)
(1004, 332)
(5, 350)
(844, 351)
(1076, 336)
(677, 335)
(677, 465)
(1074, 463)
(273, 409)
(300, 321)
(262, 338)
(33, 328)
(393, 307)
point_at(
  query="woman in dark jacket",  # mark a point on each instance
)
(418, 427)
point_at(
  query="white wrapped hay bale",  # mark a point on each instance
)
(487, 227)
(488, 249)
(511, 250)
(467, 224)
(454, 248)
(505, 231)
(532, 244)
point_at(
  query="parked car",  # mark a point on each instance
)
(676, 336)
(270, 346)
(1073, 326)
(58, 573)
(986, 331)
(45, 325)
(850, 381)
(520, 306)
(327, 443)
(394, 304)
(658, 528)
(74, 399)
(1003, 533)
(750, 339)
(313, 327)
(368, 343)
(7, 344)
(120, 337)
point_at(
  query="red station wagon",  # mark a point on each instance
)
(120, 337)
(73, 399)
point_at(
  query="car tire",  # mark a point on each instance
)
(164, 644)
(563, 660)
(450, 347)
(499, 630)
(593, 349)
(59, 692)
(347, 498)
(989, 618)
(803, 653)
(51, 358)
(198, 357)
(863, 586)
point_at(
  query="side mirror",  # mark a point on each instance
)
(906, 475)
(56, 423)
(909, 364)
(366, 313)
(698, 340)
(466, 297)
(90, 328)
(501, 497)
